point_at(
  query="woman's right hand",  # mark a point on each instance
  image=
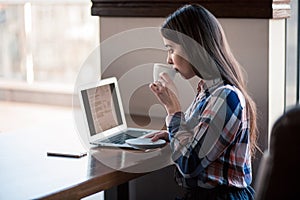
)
(165, 90)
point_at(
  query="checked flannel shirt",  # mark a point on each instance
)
(210, 141)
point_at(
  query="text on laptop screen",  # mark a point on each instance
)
(101, 108)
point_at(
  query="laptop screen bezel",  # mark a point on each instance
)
(110, 132)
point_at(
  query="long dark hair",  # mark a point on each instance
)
(192, 26)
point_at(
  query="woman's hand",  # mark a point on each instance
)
(159, 135)
(165, 90)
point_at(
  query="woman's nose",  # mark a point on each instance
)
(169, 60)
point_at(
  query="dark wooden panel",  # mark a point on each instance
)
(223, 8)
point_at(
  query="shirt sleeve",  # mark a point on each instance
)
(218, 121)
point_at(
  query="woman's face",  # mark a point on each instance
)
(176, 57)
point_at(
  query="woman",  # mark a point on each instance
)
(213, 141)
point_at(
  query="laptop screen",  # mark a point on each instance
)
(101, 108)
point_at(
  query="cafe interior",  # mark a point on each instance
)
(51, 47)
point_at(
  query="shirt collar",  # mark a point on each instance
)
(207, 84)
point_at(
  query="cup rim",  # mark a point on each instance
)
(162, 65)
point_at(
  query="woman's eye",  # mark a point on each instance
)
(171, 51)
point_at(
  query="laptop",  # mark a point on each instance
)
(104, 115)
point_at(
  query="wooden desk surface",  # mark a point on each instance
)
(28, 173)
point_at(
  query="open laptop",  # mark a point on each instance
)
(104, 115)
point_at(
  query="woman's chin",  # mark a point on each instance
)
(186, 77)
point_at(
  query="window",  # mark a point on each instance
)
(45, 41)
(292, 57)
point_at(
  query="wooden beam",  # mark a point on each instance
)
(266, 9)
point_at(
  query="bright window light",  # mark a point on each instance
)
(45, 40)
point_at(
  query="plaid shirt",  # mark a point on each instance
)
(210, 142)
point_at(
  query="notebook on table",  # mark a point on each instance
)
(104, 115)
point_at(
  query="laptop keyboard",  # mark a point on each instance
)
(123, 136)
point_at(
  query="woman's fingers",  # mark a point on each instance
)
(154, 88)
(150, 135)
(167, 96)
(168, 82)
(159, 135)
(165, 77)
(157, 87)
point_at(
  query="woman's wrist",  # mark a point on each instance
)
(172, 111)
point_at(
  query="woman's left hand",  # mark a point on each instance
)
(159, 135)
(165, 90)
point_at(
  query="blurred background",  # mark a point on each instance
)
(42, 46)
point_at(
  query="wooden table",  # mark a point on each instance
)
(26, 172)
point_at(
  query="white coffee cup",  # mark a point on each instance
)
(159, 68)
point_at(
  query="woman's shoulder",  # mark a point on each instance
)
(229, 93)
(223, 89)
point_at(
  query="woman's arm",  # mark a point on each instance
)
(218, 121)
